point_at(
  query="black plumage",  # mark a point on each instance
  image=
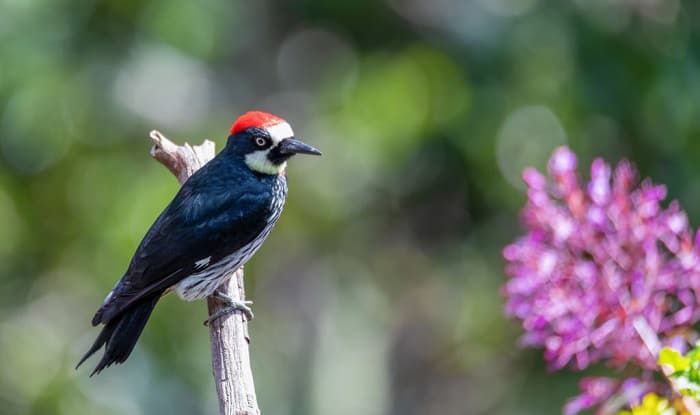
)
(217, 220)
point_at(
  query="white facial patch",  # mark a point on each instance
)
(279, 132)
(258, 161)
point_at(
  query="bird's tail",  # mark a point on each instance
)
(119, 336)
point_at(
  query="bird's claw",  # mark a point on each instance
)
(230, 307)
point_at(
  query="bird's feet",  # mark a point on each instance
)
(231, 305)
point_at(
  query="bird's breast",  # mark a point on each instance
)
(204, 282)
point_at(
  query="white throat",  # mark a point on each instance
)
(258, 161)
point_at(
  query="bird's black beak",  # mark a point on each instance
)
(290, 146)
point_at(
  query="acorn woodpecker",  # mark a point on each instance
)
(216, 222)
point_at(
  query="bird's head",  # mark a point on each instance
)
(266, 142)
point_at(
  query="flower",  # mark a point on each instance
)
(652, 404)
(610, 393)
(604, 273)
(594, 391)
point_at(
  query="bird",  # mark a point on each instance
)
(215, 223)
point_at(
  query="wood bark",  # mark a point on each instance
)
(230, 354)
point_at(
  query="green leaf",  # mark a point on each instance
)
(674, 359)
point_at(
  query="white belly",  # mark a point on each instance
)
(203, 284)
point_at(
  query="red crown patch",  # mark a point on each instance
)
(255, 119)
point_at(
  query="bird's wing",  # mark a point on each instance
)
(195, 228)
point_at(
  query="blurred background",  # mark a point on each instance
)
(378, 292)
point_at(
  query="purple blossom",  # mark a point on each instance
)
(609, 393)
(594, 392)
(599, 261)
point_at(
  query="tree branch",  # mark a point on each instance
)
(229, 334)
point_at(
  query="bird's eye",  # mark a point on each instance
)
(261, 141)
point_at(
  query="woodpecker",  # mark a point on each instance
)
(214, 225)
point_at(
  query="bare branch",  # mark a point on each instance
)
(229, 334)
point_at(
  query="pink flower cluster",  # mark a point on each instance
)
(610, 394)
(601, 266)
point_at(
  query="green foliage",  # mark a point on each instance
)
(674, 359)
(686, 370)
